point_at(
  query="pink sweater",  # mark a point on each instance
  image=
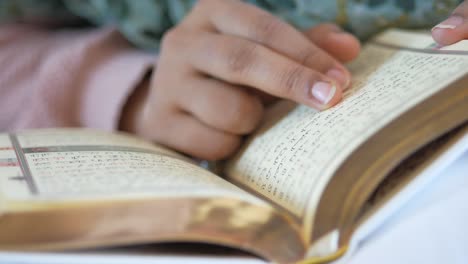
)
(58, 78)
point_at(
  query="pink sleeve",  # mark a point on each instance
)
(79, 77)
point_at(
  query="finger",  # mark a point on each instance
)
(338, 43)
(252, 23)
(265, 98)
(186, 134)
(242, 62)
(454, 28)
(177, 41)
(221, 105)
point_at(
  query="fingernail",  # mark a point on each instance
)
(450, 23)
(323, 92)
(339, 76)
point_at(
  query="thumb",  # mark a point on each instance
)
(336, 42)
(454, 28)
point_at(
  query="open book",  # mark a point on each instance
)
(299, 189)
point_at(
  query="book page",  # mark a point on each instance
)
(436, 182)
(76, 164)
(295, 153)
(455, 141)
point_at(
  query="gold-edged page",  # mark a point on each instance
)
(56, 166)
(411, 168)
(296, 151)
(77, 188)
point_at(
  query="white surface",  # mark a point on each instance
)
(102, 259)
(158, 254)
(411, 198)
(432, 228)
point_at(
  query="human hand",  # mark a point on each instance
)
(216, 64)
(454, 28)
